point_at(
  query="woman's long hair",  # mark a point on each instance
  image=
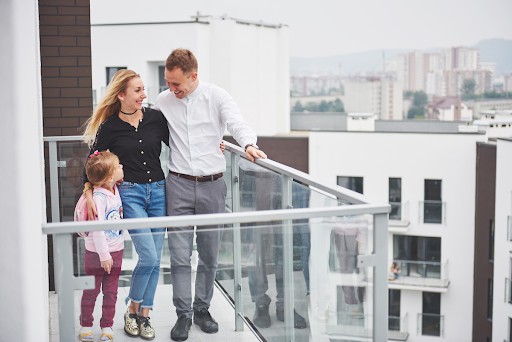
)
(109, 103)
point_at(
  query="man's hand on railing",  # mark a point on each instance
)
(253, 153)
(107, 265)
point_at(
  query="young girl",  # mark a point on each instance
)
(103, 249)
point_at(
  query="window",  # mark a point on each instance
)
(394, 310)
(491, 240)
(352, 183)
(421, 256)
(431, 321)
(162, 83)
(432, 209)
(111, 71)
(489, 299)
(395, 198)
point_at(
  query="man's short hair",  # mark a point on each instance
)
(183, 59)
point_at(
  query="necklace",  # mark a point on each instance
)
(128, 113)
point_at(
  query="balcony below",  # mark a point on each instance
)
(421, 276)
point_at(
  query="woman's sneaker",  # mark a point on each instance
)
(131, 327)
(146, 330)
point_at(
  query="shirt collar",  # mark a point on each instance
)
(192, 96)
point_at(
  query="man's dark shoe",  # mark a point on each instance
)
(181, 328)
(205, 321)
(298, 321)
(261, 317)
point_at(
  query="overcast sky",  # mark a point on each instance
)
(331, 27)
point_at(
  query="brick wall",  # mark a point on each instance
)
(65, 34)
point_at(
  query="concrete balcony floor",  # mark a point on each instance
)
(162, 317)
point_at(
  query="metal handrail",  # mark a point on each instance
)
(211, 219)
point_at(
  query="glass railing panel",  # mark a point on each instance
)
(509, 228)
(71, 158)
(432, 212)
(430, 324)
(420, 273)
(398, 328)
(341, 293)
(396, 211)
(508, 290)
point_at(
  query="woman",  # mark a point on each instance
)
(134, 133)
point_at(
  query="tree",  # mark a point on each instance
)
(416, 113)
(420, 99)
(468, 86)
(298, 107)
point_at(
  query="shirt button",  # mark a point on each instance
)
(148, 171)
(141, 152)
(135, 129)
(140, 140)
(150, 179)
(144, 163)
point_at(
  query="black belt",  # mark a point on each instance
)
(210, 178)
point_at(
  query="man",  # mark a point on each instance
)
(197, 114)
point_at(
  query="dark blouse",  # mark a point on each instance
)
(138, 149)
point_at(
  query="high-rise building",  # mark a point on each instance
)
(465, 58)
(375, 95)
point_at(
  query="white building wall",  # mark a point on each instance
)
(362, 97)
(502, 311)
(251, 62)
(24, 265)
(416, 157)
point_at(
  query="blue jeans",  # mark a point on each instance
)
(144, 200)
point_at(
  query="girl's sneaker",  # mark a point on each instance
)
(131, 327)
(107, 335)
(146, 330)
(85, 334)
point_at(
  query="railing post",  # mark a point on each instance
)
(288, 263)
(237, 245)
(66, 284)
(54, 180)
(380, 274)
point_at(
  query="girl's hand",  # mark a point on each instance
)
(222, 146)
(107, 265)
(92, 213)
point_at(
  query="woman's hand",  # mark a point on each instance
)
(92, 213)
(107, 265)
(222, 146)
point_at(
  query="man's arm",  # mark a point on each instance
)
(239, 129)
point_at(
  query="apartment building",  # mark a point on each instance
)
(383, 97)
(430, 181)
(248, 59)
(501, 308)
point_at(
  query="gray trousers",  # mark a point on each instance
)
(187, 197)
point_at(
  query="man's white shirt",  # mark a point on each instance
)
(196, 126)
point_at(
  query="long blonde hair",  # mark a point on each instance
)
(109, 104)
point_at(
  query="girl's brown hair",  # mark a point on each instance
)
(109, 103)
(100, 167)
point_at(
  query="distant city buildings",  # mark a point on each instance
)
(316, 85)
(443, 74)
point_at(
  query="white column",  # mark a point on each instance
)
(23, 265)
